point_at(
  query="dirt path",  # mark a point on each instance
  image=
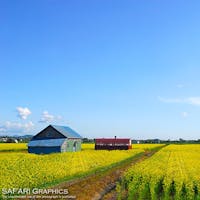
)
(101, 186)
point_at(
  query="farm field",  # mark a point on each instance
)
(147, 146)
(13, 147)
(23, 170)
(171, 173)
(134, 146)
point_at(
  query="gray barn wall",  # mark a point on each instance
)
(68, 145)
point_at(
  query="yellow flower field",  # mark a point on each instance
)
(172, 173)
(13, 146)
(23, 170)
(146, 146)
(84, 146)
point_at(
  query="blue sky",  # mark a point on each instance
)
(104, 68)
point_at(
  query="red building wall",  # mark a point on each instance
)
(113, 143)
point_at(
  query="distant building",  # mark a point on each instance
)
(113, 143)
(55, 139)
(3, 139)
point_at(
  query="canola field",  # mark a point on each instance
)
(147, 146)
(24, 170)
(16, 147)
(171, 173)
(134, 146)
(13, 147)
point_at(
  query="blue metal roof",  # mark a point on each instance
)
(66, 131)
(46, 143)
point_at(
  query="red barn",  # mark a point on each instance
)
(113, 143)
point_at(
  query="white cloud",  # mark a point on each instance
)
(194, 101)
(179, 85)
(184, 114)
(47, 118)
(170, 100)
(16, 127)
(59, 117)
(23, 113)
(190, 100)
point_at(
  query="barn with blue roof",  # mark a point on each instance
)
(55, 139)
